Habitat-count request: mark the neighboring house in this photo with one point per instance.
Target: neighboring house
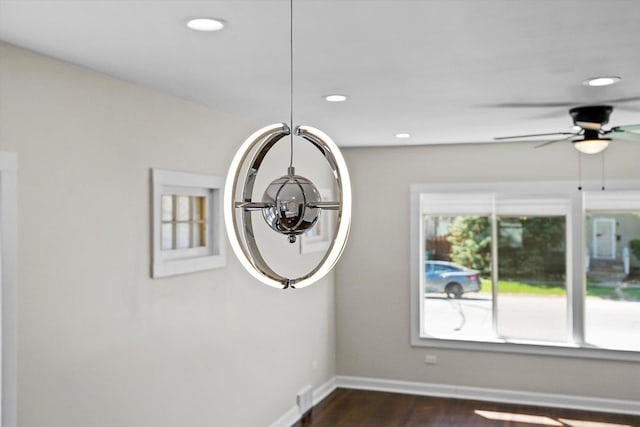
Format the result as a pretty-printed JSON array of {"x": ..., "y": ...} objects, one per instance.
[{"x": 609, "y": 233}]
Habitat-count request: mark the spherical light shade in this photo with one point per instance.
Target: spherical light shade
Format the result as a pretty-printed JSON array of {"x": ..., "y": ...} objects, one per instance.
[
  {"x": 591, "y": 146},
  {"x": 291, "y": 207}
]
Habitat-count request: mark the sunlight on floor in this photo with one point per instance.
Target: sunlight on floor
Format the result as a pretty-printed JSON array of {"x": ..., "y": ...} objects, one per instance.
[
  {"x": 520, "y": 418},
  {"x": 540, "y": 420}
]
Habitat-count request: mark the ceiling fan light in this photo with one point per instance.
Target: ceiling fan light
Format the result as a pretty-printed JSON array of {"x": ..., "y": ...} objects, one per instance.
[
  {"x": 591, "y": 146},
  {"x": 602, "y": 81}
]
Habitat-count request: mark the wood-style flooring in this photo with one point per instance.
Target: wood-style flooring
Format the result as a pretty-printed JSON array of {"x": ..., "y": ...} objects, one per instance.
[{"x": 352, "y": 408}]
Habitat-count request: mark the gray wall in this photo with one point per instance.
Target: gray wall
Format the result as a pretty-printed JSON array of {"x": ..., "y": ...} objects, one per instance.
[
  {"x": 99, "y": 342},
  {"x": 372, "y": 308}
]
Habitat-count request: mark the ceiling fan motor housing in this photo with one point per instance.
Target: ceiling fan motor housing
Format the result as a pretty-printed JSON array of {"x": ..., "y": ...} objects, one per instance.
[{"x": 591, "y": 114}]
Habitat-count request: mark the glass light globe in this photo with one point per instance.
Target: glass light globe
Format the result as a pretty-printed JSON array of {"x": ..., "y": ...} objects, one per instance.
[{"x": 289, "y": 212}]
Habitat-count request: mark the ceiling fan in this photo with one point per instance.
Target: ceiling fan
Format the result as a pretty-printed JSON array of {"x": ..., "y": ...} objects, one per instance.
[{"x": 592, "y": 137}]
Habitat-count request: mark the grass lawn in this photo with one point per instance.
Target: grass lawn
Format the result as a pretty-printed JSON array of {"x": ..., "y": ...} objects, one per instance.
[{"x": 551, "y": 288}]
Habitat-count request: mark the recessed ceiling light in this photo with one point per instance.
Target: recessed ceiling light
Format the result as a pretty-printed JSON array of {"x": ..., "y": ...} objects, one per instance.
[
  {"x": 335, "y": 98},
  {"x": 403, "y": 135},
  {"x": 205, "y": 24},
  {"x": 601, "y": 81}
]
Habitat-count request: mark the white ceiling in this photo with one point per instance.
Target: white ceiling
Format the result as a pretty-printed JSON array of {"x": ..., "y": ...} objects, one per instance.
[{"x": 443, "y": 70}]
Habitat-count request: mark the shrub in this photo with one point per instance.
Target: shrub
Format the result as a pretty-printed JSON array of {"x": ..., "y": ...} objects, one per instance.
[{"x": 634, "y": 245}]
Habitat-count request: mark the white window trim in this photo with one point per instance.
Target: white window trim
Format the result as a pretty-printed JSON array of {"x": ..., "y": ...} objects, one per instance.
[
  {"x": 575, "y": 263},
  {"x": 181, "y": 261}
]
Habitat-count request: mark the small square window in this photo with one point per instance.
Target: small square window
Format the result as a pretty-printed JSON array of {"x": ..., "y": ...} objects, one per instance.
[{"x": 187, "y": 222}]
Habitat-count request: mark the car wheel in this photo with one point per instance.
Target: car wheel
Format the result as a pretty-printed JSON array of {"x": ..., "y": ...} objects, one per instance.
[{"x": 453, "y": 289}]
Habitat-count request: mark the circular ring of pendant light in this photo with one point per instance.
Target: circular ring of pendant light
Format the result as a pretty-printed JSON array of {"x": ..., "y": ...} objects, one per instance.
[{"x": 239, "y": 225}]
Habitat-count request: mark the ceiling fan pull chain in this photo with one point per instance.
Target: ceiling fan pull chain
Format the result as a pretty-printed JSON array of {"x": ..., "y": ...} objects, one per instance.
[
  {"x": 579, "y": 171},
  {"x": 602, "y": 169}
]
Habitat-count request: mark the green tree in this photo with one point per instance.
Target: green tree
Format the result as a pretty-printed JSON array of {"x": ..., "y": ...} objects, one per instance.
[
  {"x": 470, "y": 238},
  {"x": 541, "y": 254},
  {"x": 634, "y": 245}
]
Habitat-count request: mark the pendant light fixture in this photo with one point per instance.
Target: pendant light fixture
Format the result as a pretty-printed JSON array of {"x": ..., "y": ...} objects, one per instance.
[{"x": 290, "y": 205}]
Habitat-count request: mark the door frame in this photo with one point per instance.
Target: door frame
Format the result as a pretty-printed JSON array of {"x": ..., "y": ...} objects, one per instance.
[{"x": 8, "y": 287}]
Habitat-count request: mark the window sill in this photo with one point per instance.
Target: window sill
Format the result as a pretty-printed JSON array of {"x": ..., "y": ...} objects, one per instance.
[{"x": 529, "y": 348}]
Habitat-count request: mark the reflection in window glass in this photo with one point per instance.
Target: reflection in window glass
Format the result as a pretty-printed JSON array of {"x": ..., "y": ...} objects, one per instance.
[
  {"x": 612, "y": 302},
  {"x": 167, "y": 236},
  {"x": 183, "y": 210},
  {"x": 456, "y": 276},
  {"x": 182, "y": 236},
  {"x": 167, "y": 208},
  {"x": 531, "y": 276},
  {"x": 183, "y": 222}
]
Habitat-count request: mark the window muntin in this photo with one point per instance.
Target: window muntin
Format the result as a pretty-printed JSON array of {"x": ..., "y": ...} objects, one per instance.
[{"x": 565, "y": 201}]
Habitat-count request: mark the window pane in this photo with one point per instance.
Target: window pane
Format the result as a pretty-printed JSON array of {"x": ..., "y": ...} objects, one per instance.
[
  {"x": 167, "y": 207},
  {"x": 167, "y": 237},
  {"x": 182, "y": 213},
  {"x": 199, "y": 208},
  {"x": 199, "y": 234},
  {"x": 182, "y": 236},
  {"x": 532, "y": 296},
  {"x": 455, "y": 279},
  {"x": 612, "y": 303}
]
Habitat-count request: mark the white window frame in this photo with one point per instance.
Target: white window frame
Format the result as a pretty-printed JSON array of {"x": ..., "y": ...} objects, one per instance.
[
  {"x": 618, "y": 194},
  {"x": 180, "y": 261}
]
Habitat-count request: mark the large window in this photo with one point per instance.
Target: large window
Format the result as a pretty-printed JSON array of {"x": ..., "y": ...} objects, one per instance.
[{"x": 526, "y": 268}]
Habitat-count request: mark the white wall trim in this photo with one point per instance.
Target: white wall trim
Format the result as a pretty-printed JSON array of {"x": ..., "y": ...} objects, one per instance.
[
  {"x": 551, "y": 400},
  {"x": 320, "y": 393},
  {"x": 491, "y": 395},
  {"x": 293, "y": 415}
]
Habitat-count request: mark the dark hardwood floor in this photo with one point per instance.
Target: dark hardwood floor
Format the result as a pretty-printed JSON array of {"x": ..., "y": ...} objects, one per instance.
[{"x": 351, "y": 408}]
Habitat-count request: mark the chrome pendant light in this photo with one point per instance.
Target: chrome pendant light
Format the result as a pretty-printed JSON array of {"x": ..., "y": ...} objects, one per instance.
[{"x": 291, "y": 204}]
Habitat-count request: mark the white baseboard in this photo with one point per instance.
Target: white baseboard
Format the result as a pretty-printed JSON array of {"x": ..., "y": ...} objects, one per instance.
[
  {"x": 616, "y": 406},
  {"x": 491, "y": 395},
  {"x": 293, "y": 415}
]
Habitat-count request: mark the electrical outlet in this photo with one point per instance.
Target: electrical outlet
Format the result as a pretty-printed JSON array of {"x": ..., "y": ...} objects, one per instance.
[
  {"x": 305, "y": 399},
  {"x": 430, "y": 359}
]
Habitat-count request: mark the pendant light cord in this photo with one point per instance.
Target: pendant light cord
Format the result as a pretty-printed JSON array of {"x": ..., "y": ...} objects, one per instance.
[{"x": 291, "y": 79}]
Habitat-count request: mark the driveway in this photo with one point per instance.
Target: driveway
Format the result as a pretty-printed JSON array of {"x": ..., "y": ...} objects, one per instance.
[{"x": 609, "y": 323}]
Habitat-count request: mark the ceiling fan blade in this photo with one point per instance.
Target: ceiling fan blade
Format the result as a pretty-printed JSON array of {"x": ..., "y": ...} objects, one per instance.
[
  {"x": 544, "y": 144},
  {"x": 533, "y": 104},
  {"x": 533, "y": 135},
  {"x": 626, "y": 128},
  {"x": 625, "y": 132},
  {"x": 554, "y": 104},
  {"x": 621, "y": 100}
]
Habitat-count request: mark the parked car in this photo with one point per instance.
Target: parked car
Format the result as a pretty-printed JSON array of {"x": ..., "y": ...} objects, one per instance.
[{"x": 452, "y": 279}]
